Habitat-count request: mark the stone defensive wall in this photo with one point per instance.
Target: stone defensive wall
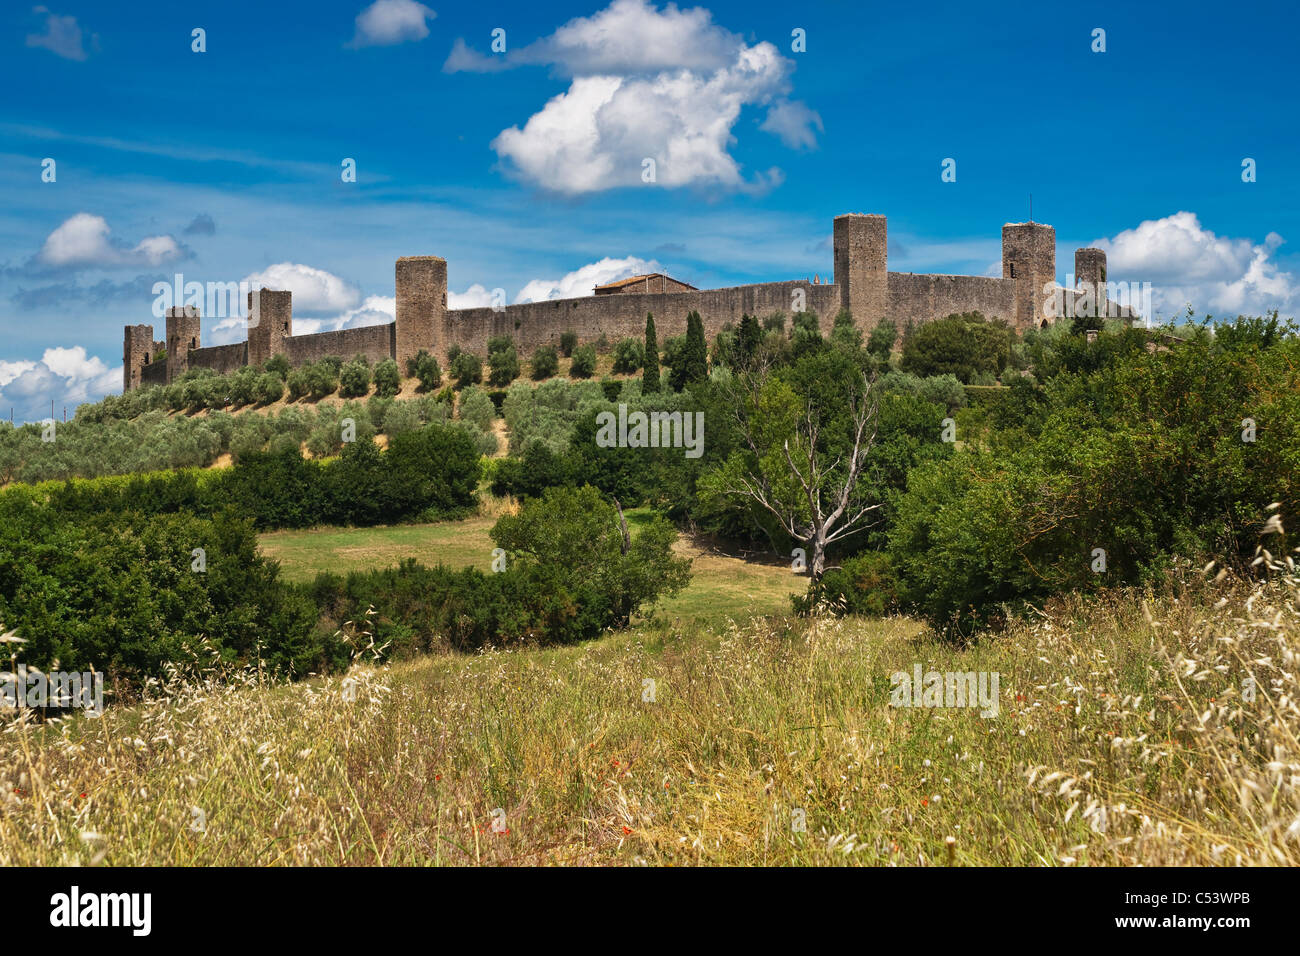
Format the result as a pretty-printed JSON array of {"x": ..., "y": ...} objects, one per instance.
[
  {"x": 154, "y": 374},
  {"x": 862, "y": 284},
  {"x": 375, "y": 342},
  {"x": 915, "y": 297},
  {"x": 623, "y": 315},
  {"x": 222, "y": 359}
]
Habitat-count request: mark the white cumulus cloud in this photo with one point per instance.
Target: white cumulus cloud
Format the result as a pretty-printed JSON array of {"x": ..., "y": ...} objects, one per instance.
[
  {"x": 11, "y": 370},
  {"x": 1189, "y": 264},
  {"x": 68, "y": 376},
  {"x": 314, "y": 290},
  {"x": 584, "y": 280},
  {"x": 475, "y": 297},
  {"x": 374, "y": 310},
  {"x": 632, "y": 36},
  {"x": 389, "y": 22},
  {"x": 83, "y": 241},
  {"x": 646, "y": 83}
]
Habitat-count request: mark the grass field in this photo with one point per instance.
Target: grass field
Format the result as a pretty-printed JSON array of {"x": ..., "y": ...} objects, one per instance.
[
  {"x": 1123, "y": 736},
  {"x": 766, "y": 743},
  {"x": 721, "y": 586}
]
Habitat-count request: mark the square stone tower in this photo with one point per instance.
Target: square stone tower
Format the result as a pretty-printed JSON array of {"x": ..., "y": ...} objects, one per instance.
[
  {"x": 1029, "y": 258},
  {"x": 421, "y": 309},
  {"x": 1090, "y": 272},
  {"x": 861, "y": 267},
  {"x": 270, "y": 322},
  {"x": 183, "y": 324},
  {"x": 137, "y": 352}
]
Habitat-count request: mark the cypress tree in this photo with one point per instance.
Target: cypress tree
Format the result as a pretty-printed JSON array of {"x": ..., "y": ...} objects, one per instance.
[
  {"x": 650, "y": 376},
  {"x": 696, "y": 357}
]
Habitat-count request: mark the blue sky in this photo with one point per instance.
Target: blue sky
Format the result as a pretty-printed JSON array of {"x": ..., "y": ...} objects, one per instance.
[{"x": 524, "y": 168}]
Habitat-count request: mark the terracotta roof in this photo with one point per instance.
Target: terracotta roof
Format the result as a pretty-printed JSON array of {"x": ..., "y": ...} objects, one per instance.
[{"x": 618, "y": 284}]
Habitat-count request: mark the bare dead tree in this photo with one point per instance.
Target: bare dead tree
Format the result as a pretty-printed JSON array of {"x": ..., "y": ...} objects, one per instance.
[{"x": 828, "y": 504}]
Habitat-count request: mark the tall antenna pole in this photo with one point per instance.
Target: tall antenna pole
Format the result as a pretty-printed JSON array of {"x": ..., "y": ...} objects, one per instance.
[{"x": 1031, "y": 207}]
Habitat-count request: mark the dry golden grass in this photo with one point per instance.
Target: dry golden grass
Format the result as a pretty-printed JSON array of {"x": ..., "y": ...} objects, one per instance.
[{"x": 1123, "y": 738}]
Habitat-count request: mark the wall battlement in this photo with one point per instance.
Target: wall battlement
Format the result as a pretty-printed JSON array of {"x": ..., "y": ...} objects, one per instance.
[{"x": 862, "y": 285}]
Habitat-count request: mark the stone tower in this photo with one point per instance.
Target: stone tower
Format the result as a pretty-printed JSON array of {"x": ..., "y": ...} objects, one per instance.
[
  {"x": 861, "y": 267},
  {"x": 269, "y": 324},
  {"x": 1090, "y": 274},
  {"x": 1029, "y": 257},
  {"x": 183, "y": 323},
  {"x": 421, "y": 308},
  {"x": 137, "y": 352}
]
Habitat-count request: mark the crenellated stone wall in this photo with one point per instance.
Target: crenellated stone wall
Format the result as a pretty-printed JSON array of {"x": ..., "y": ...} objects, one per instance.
[
  {"x": 916, "y": 297},
  {"x": 862, "y": 284},
  {"x": 222, "y": 359},
  {"x": 375, "y": 342},
  {"x": 621, "y": 316}
]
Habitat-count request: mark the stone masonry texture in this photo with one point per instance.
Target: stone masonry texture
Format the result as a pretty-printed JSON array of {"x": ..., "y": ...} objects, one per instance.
[{"x": 863, "y": 285}]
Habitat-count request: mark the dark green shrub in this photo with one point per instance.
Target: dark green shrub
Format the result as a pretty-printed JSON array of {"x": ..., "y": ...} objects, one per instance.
[
  {"x": 432, "y": 471},
  {"x": 544, "y": 363},
  {"x": 354, "y": 378},
  {"x": 322, "y": 380},
  {"x": 844, "y": 332},
  {"x": 528, "y": 476},
  {"x": 467, "y": 369},
  {"x": 568, "y": 546},
  {"x": 378, "y": 407},
  {"x": 805, "y": 334},
  {"x": 278, "y": 365},
  {"x": 503, "y": 366},
  {"x": 568, "y": 342},
  {"x": 629, "y": 356},
  {"x": 273, "y": 489},
  {"x": 129, "y": 600},
  {"x": 270, "y": 388},
  {"x": 882, "y": 339},
  {"x": 388, "y": 380},
  {"x": 299, "y": 382},
  {"x": 584, "y": 362},
  {"x": 425, "y": 368},
  {"x": 863, "y": 584},
  {"x": 241, "y": 386},
  {"x": 961, "y": 345}
]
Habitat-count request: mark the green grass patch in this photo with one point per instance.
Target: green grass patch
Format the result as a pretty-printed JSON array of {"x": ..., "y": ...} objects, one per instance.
[{"x": 721, "y": 586}]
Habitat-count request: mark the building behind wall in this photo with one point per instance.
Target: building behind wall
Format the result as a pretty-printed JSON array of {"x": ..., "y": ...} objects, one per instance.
[{"x": 863, "y": 284}]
